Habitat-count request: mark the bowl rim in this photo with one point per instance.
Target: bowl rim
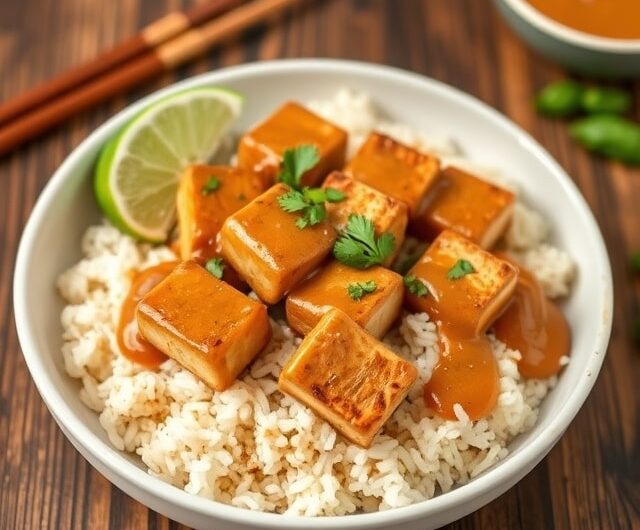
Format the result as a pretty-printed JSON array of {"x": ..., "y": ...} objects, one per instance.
[
  {"x": 570, "y": 35},
  {"x": 109, "y": 457}
]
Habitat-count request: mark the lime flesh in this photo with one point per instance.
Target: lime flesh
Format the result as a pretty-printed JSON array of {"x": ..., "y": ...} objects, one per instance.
[{"x": 138, "y": 170}]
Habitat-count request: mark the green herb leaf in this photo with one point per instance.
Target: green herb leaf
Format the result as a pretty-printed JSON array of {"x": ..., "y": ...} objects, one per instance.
[
  {"x": 314, "y": 195},
  {"x": 309, "y": 201},
  {"x": 461, "y": 268},
  {"x": 296, "y": 162},
  {"x": 216, "y": 267},
  {"x": 311, "y": 216},
  {"x": 358, "y": 289},
  {"x": 358, "y": 246},
  {"x": 212, "y": 185},
  {"x": 334, "y": 195},
  {"x": 415, "y": 286},
  {"x": 293, "y": 201}
]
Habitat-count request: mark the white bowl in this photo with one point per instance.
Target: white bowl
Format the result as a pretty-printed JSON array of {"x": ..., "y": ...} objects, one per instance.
[
  {"x": 51, "y": 243},
  {"x": 577, "y": 50}
]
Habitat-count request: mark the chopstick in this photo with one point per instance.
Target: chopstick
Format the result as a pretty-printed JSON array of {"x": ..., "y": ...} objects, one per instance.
[
  {"x": 166, "y": 56},
  {"x": 150, "y": 37}
]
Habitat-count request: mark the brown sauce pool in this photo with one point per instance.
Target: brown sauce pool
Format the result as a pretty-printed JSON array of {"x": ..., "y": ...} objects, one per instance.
[
  {"x": 132, "y": 345},
  {"x": 535, "y": 326},
  {"x": 467, "y": 373},
  {"x": 616, "y": 19}
]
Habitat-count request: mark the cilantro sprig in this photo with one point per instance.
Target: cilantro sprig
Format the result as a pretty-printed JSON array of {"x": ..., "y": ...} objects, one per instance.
[
  {"x": 309, "y": 202},
  {"x": 460, "y": 269},
  {"x": 211, "y": 185},
  {"x": 296, "y": 162},
  {"x": 415, "y": 286},
  {"x": 359, "y": 289},
  {"x": 358, "y": 245},
  {"x": 216, "y": 267}
]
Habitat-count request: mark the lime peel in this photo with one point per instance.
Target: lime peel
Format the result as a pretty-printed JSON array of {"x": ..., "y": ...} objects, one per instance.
[{"x": 138, "y": 170}]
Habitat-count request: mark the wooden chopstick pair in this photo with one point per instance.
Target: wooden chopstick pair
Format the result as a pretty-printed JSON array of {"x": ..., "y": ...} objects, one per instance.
[{"x": 161, "y": 46}]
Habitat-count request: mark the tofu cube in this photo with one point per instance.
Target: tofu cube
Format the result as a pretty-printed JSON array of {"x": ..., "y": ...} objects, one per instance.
[
  {"x": 475, "y": 208},
  {"x": 204, "y": 324},
  {"x": 261, "y": 149},
  {"x": 471, "y": 302},
  {"x": 328, "y": 288},
  {"x": 347, "y": 377},
  {"x": 262, "y": 242},
  {"x": 201, "y": 211},
  {"x": 397, "y": 170},
  {"x": 386, "y": 213}
]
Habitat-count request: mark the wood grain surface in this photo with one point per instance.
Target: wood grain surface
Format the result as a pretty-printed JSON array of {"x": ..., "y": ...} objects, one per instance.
[{"x": 590, "y": 480}]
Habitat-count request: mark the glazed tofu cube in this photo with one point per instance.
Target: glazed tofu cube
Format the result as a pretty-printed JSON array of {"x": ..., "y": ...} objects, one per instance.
[
  {"x": 347, "y": 377},
  {"x": 397, "y": 170},
  {"x": 329, "y": 287},
  {"x": 388, "y": 214},
  {"x": 204, "y": 324},
  {"x": 263, "y": 243},
  {"x": 475, "y": 208},
  {"x": 261, "y": 149},
  {"x": 207, "y": 195},
  {"x": 472, "y": 301}
]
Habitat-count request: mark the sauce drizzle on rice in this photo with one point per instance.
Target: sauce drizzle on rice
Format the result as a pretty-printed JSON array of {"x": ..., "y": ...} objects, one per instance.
[
  {"x": 132, "y": 345},
  {"x": 535, "y": 327}
]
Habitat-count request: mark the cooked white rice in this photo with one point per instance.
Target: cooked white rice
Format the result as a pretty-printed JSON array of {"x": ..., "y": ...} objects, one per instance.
[{"x": 252, "y": 446}]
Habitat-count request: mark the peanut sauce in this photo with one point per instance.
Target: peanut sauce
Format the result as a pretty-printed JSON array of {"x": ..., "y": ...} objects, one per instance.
[
  {"x": 467, "y": 374},
  {"x": 534, "y": 325},
  {"x": 462, "y": 309},
  {"x": 616, "y": 19},
  {"x": 132, "y": 345}
]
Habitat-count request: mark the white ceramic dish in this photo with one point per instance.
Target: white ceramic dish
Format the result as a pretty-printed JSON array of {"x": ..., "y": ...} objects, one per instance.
[
  {"x": 579, "y": 51},
  {"x": 51, "y": 243}
]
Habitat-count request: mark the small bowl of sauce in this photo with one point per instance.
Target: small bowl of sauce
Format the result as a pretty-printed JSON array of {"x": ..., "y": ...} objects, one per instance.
[{"x": 595, "y": 37}]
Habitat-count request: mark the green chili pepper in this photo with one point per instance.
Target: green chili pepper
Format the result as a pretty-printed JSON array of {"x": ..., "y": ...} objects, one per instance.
[
  {"x": 560, "y": 99},
  {"x": 609, "y": 135},
  {"x": 605, "y": 100},
  {"x": 635, "y": 261}
]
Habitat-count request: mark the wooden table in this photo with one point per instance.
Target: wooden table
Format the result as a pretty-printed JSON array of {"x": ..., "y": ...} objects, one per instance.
[{"x": 591, "y": 480}]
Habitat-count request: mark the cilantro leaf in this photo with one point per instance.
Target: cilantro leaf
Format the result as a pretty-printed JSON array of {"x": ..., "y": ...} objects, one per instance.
[
  {"x": 296, "y": 162},
  {"x": 293, "y": 201},
  {"x": 309, "y": 201},
  {"x": 358, "y": 246},
  {"x": 212, "y": 185},
  {"x": 216, "y": 267},
  {"x": 334, "y": 195},
  {"x": 415, "y": 286},
  {"x": 312, "y": 215},
  {"x": 461, "y": 268},
  {"x": 358, "y": 289},
  {"x": 314, "y": 195}
]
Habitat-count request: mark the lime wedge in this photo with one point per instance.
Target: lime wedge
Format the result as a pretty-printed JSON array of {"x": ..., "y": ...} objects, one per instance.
[{"x": 138, "y": 170}]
